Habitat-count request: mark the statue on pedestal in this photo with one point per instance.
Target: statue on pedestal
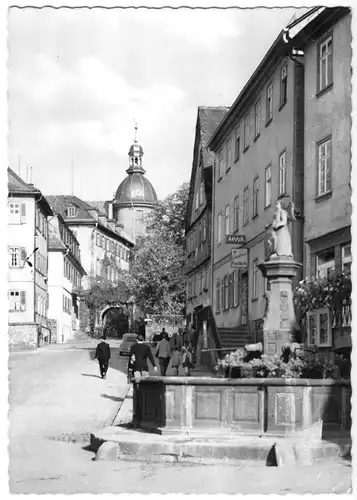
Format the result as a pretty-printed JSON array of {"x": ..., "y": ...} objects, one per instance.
[{"x": 280, "y": 236}]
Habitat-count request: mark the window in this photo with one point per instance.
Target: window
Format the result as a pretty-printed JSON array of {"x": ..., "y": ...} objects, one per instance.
[
  {"x": 257, "y": 119},
  {"x": 246, "y": 206},
  {"x": 324, "y": 167},
  {"x": 237, "y": 146},
  {"x": 222, "y": 294},
  {"x": 346, "y": 258},
  {"x": 246, "y": 131},
  {"x": 282, "y": 173},
  {"x": 220, "y": 164},
  {"x": 17, "y": 256},
  {"x": 218, "y": 295},
  {"x": 229, "y": 153},
  {"x": 269, "y": 103},
  {"x": 204, "y": 229},
  {"x": 71, "y": 211},
  {"x": 139, "y": 214},
  {"x": 15, "y": 213},
  {"x": 201, "y": 193},
  {"x": 268, "y": 186},
  {"x": 235, "y": 289},
  {"x": 255, "y": 196},
  {"x": 283, "y": 85},
  {"x": 98, "y": 239},
  {"x": 17, "y": 300},
  {"x": 255, "y": 279},
  {"x": 227, "y": 219},
  {"x": 236, "y": 214},
  {"x": 325, "y": 64},
  {"x": 219, "y": 229},
  {"x": 325, "y": 263},
  {"x": 197, "y": 199},
  {"x": 319, "y": 328},
  {"x": 226, "y": 292}
]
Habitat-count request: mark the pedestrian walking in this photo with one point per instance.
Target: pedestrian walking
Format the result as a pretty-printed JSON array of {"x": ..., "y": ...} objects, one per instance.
[
  {"x": 102, "y": 354},
  {"x": 163, "y": 352},
  {"x": 187, "y": 358},
  {"x": 176, "y": 359},
  {"x": 138, "y": 356}
]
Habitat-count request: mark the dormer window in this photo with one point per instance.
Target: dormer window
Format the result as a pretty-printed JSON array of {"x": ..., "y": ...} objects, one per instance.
[{"x": 71, "y": 211}]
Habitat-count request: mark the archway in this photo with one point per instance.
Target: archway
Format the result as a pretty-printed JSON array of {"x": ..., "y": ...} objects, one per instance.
[{"x": 115, "y": 320}]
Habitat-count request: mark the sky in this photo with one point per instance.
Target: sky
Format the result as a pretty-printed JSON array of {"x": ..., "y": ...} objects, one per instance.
[{"x": 78, "y": 79}]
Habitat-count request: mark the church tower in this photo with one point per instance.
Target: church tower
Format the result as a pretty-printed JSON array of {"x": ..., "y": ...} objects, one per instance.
[{"x": 135, "y": 196}]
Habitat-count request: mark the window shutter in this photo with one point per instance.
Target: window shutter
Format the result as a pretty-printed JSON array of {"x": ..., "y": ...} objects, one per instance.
[
  {"x": 230, "y": 290},
  {"x": 23, "y": 300},
  {"x": 23, "y": 254},
  {"x": 23, "y": 212}
]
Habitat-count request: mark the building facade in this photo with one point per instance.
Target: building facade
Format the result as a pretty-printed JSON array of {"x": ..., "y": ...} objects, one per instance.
[
  {"x": 327, "y": 46},
  {"x": 135, "y": 196},
  {"x": 28, "y": 213},
  {"x": 259, "y": 160},
  {"x": 65, "y": 274},
  {"x": 105, "y": 249},
  {"x": 198, "y": 221}
]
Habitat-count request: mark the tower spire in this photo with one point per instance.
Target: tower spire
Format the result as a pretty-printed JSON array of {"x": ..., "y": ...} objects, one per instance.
[{"x": 136, "y": 131}]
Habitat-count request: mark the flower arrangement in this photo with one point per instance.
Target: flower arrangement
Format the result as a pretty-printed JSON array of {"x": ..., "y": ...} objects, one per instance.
[{"x": 310, "y": 366}]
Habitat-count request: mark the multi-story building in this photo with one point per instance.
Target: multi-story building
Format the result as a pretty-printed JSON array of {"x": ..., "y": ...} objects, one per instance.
[
  {"x": 259, "y": 159},
  {"x": 198, "y": 220},
  {"x": 65, "y": 274},
  {"x": 105, "y": 249},
  {"x": 326, "y": 43},
  {"x": 28, "y": 213}
]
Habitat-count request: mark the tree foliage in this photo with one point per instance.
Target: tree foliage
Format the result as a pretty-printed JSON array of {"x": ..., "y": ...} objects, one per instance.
[{"x": 156, "y": 280}]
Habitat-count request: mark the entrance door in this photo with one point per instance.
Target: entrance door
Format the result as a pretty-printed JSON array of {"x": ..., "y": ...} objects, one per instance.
[{"x": 244, "y": 301}]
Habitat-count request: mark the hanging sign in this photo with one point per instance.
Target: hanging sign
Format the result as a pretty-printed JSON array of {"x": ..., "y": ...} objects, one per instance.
[
  {"x": 239, "y": 258},
  {"x": 235, "y": 239}
]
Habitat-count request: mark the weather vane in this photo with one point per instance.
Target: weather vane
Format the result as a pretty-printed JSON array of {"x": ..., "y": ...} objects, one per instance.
[{"x": 136, "y": 130}]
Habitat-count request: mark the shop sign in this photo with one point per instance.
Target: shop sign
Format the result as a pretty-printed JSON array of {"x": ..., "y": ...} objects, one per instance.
[
  {"x": 239, "y": 258},
  {"x": 235, "y": 239}
]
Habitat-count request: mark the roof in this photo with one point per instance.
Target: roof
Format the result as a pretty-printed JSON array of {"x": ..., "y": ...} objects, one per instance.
[
  {"x": 101, "y": 206},
  {"x": 17, "y": 186},
  {"x": 60, "y": 204},
  {"x": 208, "y": 119},
  {"x": 136, "y": 189}
]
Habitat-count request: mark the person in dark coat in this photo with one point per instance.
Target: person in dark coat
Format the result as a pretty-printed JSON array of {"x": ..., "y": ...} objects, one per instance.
[
  {"x": 163, "y": 352},
  {"x": 138, "y": 356},
  {"x": 102, "y": 354}
]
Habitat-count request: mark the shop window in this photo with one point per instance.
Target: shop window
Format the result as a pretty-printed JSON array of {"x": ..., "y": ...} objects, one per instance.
[
  {"x": 325, "y": 263},
  {"x": 319, "y": 328}
]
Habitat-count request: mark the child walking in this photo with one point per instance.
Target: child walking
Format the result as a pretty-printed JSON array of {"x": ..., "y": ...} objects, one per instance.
[
  {"x": 187, "y": 358},
  {"x": 176, "y": 360}
]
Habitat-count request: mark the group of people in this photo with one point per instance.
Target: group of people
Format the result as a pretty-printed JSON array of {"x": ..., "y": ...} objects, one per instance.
[{"x": 176, "y": 350}]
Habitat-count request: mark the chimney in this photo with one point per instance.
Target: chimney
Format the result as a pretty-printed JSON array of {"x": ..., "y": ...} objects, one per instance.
[{"x": 110, "y": 211}]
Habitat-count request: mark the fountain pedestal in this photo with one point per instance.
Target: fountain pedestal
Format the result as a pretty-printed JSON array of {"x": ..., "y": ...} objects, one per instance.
[{"x": 279, "y": 322}]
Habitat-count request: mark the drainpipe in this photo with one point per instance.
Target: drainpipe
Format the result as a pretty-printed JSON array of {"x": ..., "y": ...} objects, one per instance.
[{"x": 288, "y": 40}]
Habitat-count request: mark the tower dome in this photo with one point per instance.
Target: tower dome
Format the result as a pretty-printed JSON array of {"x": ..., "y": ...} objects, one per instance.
[{"x": 135, "y": 194}]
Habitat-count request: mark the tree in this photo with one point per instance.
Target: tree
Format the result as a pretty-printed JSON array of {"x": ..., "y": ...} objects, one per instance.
[{"x": 156, "y": 279}]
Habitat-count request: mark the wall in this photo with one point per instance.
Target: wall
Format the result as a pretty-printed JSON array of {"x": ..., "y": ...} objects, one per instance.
[
  {"x": 329, "y": 114},
  {"x": 284, "y": 132},
  {"x": 22, "y": 336},
  {"x": 22, "y": 235},
  {"x": 126, "y": 216}
]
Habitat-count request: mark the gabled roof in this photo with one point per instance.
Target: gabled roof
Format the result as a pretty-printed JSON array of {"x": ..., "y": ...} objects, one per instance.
[
  {"x": 17, "y": 185},
  {"x": 208, "y": 119},
  {"x": 60, "y": 203},
  {"x": 101, "y": 206}
]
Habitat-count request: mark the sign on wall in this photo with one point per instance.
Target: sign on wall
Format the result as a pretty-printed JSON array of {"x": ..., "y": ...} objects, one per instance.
[
  {"x": 239, "y": 258},
  {"x": 235, "y": 239}
]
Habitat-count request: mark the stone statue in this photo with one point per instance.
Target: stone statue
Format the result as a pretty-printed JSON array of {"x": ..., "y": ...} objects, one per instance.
[
  {"x": 267, "y": 296},
  {"x": 281, "y": 241}
]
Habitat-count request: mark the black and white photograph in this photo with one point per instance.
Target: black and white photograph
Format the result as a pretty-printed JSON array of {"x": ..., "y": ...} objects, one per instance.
[{"x": 179, "y": 248}]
